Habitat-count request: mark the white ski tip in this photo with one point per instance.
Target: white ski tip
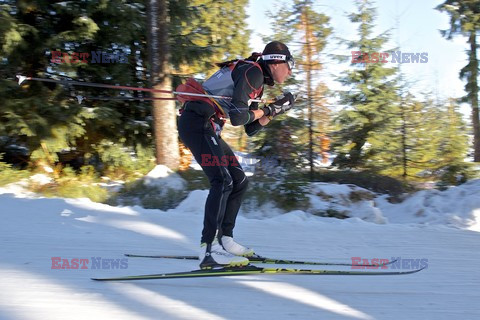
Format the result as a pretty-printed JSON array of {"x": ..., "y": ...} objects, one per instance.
[{"x": 21, "y": 79}]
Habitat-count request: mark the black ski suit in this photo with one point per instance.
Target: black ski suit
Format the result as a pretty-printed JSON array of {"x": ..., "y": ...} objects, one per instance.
[{"x": 199, "y": 128}]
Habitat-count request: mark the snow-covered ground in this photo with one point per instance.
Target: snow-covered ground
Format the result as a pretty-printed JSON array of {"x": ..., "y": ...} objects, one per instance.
[{"x": 441, "y": 228}]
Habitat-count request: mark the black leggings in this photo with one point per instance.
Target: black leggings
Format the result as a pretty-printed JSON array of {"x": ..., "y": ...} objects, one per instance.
[{"x": 228, "y": 182}]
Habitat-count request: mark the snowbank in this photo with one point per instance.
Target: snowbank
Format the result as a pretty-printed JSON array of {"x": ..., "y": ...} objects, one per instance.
[
  {"x": 455, "y": 207},
  {"x": 162, "y": 177},
  {"x": 344, "y": 200}
]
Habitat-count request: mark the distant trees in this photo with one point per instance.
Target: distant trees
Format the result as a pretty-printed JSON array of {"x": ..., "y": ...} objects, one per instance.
[
  {"x": 47, "y": 120},
  {"x": 370, "y": 98},
  {"x": 465, "y": 20},
  {"x": 379, "y": 128},
  {"x": 383, "y": 130}
]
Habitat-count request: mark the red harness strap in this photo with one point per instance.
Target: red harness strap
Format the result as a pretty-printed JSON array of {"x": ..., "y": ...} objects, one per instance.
[{"x": 192, "y": 86}]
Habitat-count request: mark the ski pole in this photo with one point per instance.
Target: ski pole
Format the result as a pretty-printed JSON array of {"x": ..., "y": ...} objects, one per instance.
[
  {"x": 80, "y": 98},
  {"x": 22, "y": 79}
]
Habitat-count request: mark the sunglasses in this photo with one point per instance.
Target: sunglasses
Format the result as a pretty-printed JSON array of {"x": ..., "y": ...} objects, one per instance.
[
  {"x": 290, "y": 63},
  {"x": 280, "y": 58}
]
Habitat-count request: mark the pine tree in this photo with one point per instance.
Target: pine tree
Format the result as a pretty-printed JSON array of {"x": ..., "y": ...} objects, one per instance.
[
  {"x": 47, "y": 119},
  {"x": 204, "y": 32},
  {"x": 370, "y": 99},
  {"x": 313, "y": 30},
  {"x": 453, "y": 146},
  {"x": 164, "y": 112},
  {"x": 427, "y": 140},
  {"x": 465, "y": 20},
  {"x": 323, "y": 119},
  {"x": 454, "y": 140},
  {"x": 408, "y": 146},
  {"x": 302, "y": 27}
]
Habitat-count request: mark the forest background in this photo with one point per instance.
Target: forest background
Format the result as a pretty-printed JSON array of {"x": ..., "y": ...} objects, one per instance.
[{"x": 361, "y": 122}]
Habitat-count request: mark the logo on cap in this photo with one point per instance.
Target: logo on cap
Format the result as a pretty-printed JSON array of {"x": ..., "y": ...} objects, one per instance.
[{"x": 274, "y": 57}]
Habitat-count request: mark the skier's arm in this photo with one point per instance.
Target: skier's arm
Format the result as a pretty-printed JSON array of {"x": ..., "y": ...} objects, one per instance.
[
  {"x": 248, "y": 83},
  {"x": 257, "y": 125},
  {"x": 280, "y": 106}
]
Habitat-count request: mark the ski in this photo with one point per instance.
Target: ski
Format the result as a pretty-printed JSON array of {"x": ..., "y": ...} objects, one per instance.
[
  {"x": 253, "y": 270},
  {"x": 260, "y": 259}
]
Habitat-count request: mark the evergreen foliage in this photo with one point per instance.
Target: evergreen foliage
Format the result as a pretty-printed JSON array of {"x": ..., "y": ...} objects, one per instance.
[
  {"x": 465, "y": 21},
  {"x": 370, "y": 99},
  {"x": 379, "y": 132},
  {"x": 48, "y": 120}
]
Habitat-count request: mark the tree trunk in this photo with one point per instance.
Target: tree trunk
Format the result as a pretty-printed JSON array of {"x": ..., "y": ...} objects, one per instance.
[
  {"x": 164, "y": 111},
  {"x": 308, "y": 80},
  {"x": 404, "y": 139},
  {"x": 473, "y": 81}
]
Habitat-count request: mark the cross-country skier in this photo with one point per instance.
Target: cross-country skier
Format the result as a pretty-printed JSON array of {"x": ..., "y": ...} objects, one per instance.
[{"x": 200, "y": 126}]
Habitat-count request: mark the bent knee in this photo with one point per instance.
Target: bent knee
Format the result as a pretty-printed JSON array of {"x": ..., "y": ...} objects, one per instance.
[{"x": 225, "y": 182}]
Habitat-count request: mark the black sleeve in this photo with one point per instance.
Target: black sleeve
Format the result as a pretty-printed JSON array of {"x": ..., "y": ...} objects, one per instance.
[
  {"x": 254, "y": 106},
  {"x": 253, "y": 128},
  {"x": 248, "y": 83}
]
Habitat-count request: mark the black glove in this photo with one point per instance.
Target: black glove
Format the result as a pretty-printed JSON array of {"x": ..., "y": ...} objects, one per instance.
[
  {"x": 282, "y": 104},
  {"x": 269, "y": 110}
]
